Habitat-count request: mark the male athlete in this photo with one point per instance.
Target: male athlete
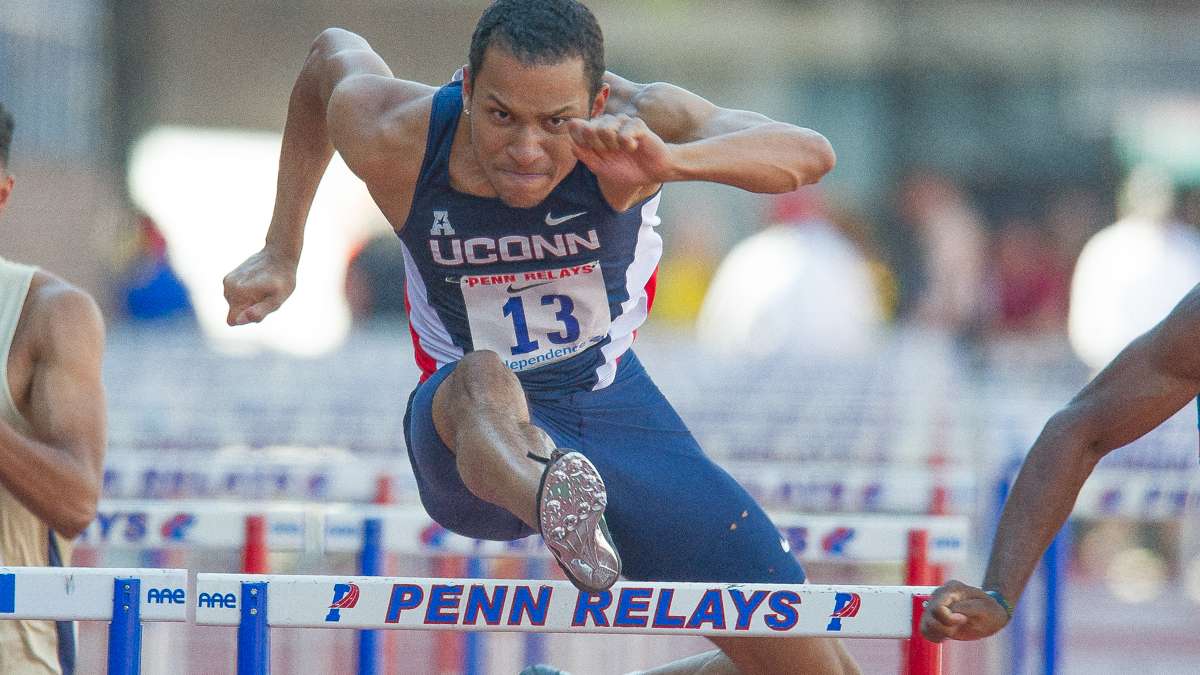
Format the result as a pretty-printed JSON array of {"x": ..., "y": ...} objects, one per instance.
[
  {"x": 1148, "y": 382},
  {"x": 52, "y": 435},
  {"x": 525, "y": 194}
]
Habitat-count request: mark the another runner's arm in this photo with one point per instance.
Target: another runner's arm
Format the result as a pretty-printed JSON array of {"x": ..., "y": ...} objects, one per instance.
[
  {"x": 345, "y": 99},
  {"x": 57, "y": 473},
  {"x": 741, "y": 148},
  {"x": 1149, "y": 381}
]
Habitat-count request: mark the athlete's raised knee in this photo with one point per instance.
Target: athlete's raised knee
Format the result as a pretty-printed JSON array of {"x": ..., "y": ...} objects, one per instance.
[
  {"x": 482, "y": 376},
  {"x": 480, "y": 383}
]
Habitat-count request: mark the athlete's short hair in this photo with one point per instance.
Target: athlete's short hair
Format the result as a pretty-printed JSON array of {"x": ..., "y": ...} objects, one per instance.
[
  {"x": 541, "y": 32},
  {"x": 6, "y": 132}
]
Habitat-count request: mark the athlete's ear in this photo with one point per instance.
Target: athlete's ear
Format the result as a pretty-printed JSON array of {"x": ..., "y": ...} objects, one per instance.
[
  {"x": 468, "y": 86},
  {"x": 600, "y": 101}
]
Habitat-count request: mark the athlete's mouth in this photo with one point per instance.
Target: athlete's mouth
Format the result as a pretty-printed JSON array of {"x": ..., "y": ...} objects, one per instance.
[{"x": 523, "y": 176}]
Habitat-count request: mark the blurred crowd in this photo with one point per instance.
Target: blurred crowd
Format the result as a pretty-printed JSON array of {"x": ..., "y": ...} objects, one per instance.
[
  {"x": 820, "y": 276},
  {"x": 823, "y": 279}
]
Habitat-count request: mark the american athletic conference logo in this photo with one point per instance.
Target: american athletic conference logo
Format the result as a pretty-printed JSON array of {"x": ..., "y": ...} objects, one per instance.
[
  {"x": 845, "y": 606},
  {"x": 345, "y": 596}
]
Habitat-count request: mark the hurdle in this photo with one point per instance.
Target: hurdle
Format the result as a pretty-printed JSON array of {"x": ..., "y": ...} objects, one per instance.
[
  {"x": 334, "y": 528},
  {"x": 256, "y": 603},
  {"x": 313, "y": 476},
  {"x": 125, "y": 597},
  {"x": 373, "y": 531}
]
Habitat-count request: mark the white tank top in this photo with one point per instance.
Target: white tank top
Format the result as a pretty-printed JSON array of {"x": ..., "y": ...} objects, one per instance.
[{"x": 26, "y": 647}]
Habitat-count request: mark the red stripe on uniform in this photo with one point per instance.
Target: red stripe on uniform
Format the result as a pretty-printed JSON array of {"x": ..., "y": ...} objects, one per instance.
[
  {"x": 424, "y": 361},
  {"x": 651, "y": 286}
]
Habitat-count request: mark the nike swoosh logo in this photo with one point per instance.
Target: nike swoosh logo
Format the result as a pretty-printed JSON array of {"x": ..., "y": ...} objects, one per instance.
[
  {"x": 514, "y": 289},
  {"x": 552, "y": 221}
]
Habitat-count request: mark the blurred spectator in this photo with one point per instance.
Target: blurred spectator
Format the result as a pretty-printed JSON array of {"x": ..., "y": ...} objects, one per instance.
[
  {"x": 1132, "y": 273},
  {"x": 375, "y": 281},
  {"x": 1189, "y": 206},
  {"x": 1032, "y": 279},
  {"x": 799, "y": 286},
  {"x": 149, "y": 288},
  {"x": 1072, "y": 217},
  {"x": 948, "y": 287},
  {"x": 861, "y": 233},
  {"x": 689, "y": 258}
]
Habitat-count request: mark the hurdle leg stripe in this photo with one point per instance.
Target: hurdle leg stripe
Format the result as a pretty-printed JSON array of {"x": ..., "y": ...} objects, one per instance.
[
  {"x": 125, "y": 629},
  {"x": 923, "y": 656},
  {"x": 253, "y": 635}
]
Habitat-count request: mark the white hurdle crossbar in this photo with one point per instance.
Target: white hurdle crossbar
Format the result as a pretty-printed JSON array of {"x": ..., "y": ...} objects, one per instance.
[
  {"x": 124, "y": 597},
  {"x": 409, "y": 530},
  {"x": 254, "y": 603}
]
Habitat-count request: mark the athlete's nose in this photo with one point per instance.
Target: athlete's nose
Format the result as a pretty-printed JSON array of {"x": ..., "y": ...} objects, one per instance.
[{"x": 525, "y": 149}]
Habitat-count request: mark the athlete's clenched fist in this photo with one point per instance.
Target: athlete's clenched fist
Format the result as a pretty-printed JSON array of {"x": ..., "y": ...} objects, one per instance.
[
  {"x": 622, "y": 148},
  {"x": 258, "y": 287}
]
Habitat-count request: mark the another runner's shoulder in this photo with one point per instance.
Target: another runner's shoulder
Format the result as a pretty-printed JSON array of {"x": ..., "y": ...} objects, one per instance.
[
  {"x": 58, "y": 319},
  {"x": 58, "y": 306},
  {"x": 379, "y": 125}
]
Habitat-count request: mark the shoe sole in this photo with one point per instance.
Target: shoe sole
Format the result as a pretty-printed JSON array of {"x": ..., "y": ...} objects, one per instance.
[{"x": 571, "y": 503}]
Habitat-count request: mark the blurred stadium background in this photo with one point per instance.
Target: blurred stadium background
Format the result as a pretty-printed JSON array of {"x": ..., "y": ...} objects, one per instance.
[{"x": 981, "y": 146}]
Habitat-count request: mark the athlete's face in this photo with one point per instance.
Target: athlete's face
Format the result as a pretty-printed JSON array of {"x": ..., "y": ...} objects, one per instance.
[{"x": 518, "y": 122}]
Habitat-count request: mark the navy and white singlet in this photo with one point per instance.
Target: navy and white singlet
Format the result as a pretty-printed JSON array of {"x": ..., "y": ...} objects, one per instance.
[{"x": 558, "y": 291}]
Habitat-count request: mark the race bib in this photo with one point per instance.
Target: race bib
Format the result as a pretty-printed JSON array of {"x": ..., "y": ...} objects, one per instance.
[{"x": 537, "y": 317}]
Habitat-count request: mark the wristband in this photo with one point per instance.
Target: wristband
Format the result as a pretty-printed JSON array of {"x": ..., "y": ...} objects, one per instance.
[{"x": 995, "y": 595}]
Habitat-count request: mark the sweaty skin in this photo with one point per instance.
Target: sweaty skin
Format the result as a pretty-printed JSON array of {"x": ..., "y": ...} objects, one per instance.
[{"x": 1148, "y": 382}]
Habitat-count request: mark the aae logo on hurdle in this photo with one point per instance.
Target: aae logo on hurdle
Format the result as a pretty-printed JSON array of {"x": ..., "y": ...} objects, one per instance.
[
  {"x": 222, "y": 600},
  {"x": 170, "y": 596},
  {"x": 556, "y": 606}
]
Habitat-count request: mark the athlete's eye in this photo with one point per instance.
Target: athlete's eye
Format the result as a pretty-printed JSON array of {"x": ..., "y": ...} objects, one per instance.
[
  {"x": 499, "y": 115},
  {"x": 557, "y": 125}
]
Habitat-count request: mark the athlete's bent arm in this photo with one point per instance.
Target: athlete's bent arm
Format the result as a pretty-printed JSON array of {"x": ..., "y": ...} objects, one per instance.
[
  {"x": 735, "y": 147},
  {"x": 57, "y": 474},
  {"x": 341, "y": 100},
  {"x": 1150, "y": 380}
]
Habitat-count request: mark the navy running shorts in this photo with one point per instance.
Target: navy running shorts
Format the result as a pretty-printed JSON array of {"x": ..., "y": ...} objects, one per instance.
[{"x": 673, "y": 513}]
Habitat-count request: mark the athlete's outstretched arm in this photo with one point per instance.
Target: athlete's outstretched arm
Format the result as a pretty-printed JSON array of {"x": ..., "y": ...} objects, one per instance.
[
  {"x": 344, "y": 99},
  {"x": 1150, "y": 380},
  {"x": 57, "y": 472},
  {"x": 734, "y": 147}
]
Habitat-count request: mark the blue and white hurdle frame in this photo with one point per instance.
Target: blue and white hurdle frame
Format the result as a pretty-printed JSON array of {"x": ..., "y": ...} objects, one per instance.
[
  {"x": 255, "y": 603},
  {"x": 374, "y": 531},
  {"x": 124, "y": 597},
  {"x": 407, "y": 529}
]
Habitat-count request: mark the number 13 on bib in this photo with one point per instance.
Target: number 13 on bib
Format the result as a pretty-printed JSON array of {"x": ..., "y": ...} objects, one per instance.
[{"x": 537, "y": 317}]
